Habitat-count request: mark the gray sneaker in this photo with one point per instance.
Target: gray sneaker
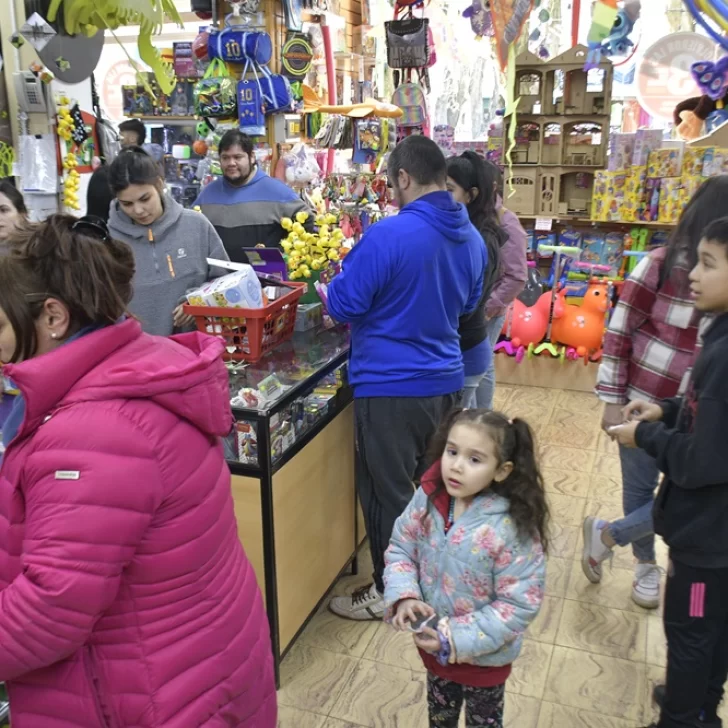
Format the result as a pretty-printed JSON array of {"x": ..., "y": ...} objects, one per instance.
[
  {"x": 594, "y": 551},
  {"x": 364, "y": 604}
]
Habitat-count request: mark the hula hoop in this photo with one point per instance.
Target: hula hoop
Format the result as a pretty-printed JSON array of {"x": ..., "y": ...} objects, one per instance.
[{"x": 697, "y": 16}]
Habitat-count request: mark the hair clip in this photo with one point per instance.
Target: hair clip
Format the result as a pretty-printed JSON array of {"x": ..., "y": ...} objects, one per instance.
[{"x": 92, "y": 224}]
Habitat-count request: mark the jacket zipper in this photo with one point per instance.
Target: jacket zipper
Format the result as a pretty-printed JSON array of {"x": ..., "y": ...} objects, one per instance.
[
  {"x": 95, "y": 685},
  {"x": 150, "y": 236}
]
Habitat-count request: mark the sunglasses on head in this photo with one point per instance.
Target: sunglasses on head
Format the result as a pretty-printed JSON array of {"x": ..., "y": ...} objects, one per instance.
[{"x": 93, "y": 226}]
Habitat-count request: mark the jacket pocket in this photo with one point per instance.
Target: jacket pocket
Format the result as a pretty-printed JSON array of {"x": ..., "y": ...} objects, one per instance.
[{"x": 93, "y": 675}]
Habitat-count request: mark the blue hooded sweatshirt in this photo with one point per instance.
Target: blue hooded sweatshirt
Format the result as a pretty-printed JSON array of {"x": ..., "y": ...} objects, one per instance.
[{"x": 403, "y": 288}]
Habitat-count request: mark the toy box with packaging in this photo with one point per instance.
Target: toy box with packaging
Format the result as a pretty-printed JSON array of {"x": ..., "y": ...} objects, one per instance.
[{"x": 240, "y": 289}]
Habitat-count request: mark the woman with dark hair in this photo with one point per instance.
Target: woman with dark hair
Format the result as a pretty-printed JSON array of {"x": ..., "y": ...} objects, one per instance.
[
  {"x": 466, "y": 181},
  {"x": 12, "y": 212},
  {"x": 511, "y": 281},
  {"x": 171, "y": 244},
  {"x": 126, "y": 598},
  {"x": 649, "y": 348},
  {"x": 99, "y": 195}
]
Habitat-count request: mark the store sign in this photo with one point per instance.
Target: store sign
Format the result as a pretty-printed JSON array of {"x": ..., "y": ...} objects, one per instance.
[{"x": 663, "y": 77}]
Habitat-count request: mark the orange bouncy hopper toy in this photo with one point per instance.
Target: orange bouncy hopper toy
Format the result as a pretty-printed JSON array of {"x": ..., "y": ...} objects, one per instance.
[{"x": 582, "y": 327}]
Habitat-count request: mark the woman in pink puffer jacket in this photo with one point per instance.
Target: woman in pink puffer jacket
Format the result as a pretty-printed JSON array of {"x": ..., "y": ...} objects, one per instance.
[{"x": 126, "y": 598}]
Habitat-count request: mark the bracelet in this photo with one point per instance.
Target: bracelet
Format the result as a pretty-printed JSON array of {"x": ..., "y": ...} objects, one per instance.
[{"x": 444, "y": 654}]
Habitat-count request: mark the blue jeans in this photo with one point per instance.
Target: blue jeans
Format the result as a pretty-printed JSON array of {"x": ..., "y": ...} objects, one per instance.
[
  {"x": 486, "y": 388},
  {"x": 640, "y": 477},
  {"x": 470, "y": 391}
]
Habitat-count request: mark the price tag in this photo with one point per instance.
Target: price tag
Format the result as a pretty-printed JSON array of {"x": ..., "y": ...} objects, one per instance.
[{"x": 544, "y": 223}]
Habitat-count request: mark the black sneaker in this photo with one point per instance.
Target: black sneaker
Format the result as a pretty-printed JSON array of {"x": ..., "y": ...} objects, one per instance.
[{"x": 658, "y": 695}]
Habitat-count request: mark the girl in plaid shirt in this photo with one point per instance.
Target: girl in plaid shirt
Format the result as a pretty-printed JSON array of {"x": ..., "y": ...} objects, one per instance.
[{"x": 649, "y": 349}]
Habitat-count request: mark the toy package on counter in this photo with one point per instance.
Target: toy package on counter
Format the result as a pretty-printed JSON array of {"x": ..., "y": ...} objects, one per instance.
[
  {"x": 247, "y": 442},
  {"x": 665, "y": 162},
  {"x": 621, "y": 150},
  {"x": 608, "y": 195},
  {"x": 612, "y": 250},
  {"x": 645, "y": 141},
  {"x": 693, "y": 161},
  {"x": 240, "y": 289},
  {"x": 308, "y": 316},
  {"x": 592, "y": 248},
  {"x": 671, "y": 199}
]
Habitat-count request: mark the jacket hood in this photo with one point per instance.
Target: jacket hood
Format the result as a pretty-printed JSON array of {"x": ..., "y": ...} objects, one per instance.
[
  {"x": 440, "y": 211},
  {"x": 121, "y": 222},
  {"x": 486, "y": 501},
  {"x": 184, "y": 374}
]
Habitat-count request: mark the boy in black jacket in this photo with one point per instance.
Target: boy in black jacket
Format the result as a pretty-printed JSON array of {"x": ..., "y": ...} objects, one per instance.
[{"x": 688, "y": 436}]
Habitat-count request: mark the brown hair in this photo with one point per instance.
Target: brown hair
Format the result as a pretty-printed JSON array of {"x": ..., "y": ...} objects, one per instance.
[
  {"x": 71, "y": 260},
  {"x": 523, "y": 488}
]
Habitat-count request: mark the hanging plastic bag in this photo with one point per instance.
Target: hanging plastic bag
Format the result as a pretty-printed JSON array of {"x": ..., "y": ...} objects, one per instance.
[{"x": 214, "y": 94}]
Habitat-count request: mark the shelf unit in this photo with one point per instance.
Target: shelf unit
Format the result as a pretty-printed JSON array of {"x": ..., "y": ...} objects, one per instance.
[{"x": 561, "y": 131}]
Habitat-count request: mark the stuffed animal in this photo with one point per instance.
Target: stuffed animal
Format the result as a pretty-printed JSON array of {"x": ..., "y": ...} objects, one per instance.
[
  {"x": 699, "y": 115},
  {"x": 582, "y": 326}
]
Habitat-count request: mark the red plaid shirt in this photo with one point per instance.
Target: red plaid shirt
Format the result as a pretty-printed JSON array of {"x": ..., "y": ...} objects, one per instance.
[{"x": 651, "y": 341}]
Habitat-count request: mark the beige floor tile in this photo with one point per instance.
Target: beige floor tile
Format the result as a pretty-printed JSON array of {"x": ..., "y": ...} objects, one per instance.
[
  {"x": 561, "y": 716},
  {"x": 381, "y": 696},
  {"x": 345, "y": 636},
  {"x": 606, "y": 444},
  {"x": 558, "y": 572},
  {"x": 502, "y": 394},
  {"x": 529, "y": 669},
  {"x": 568, "y": 435},
  {"x": 579, "y": 401},
  {"x": 334, "y": 723},
  {"x": 601, "y": 684},
  {"x": 605, "y": 464},
  {"x": 611, "y": 632},
  {"x": 655, "y": 676},
  {"x": 563, "y": 540},
  {"x": 535, "y": 415},
  {"x": 546, "y": 624},
  {"x": 614, "y": 591},
  {"x": 313, "y": 679},
  {"x": 521, "y": 711},
  {"x": 656, "y": 644},
  {"x": 566, "y": 482},
  {"x": 584, "y": 419},
  {"x": 397, "y": 649},
  {"x": 539, "y": 396},
  {"x": 605, "y": 487},
  {"x": 570, "y": 458},
  {"x": 566, "y": 510},
  {"x": 293, "y": 718}
]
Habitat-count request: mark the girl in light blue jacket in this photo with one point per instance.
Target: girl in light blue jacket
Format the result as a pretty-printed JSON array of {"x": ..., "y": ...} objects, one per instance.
[{"x": 467, "y": 558}]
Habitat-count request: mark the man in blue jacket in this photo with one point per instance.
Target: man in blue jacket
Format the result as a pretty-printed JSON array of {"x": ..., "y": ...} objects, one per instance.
[{"x": 403, "y": 289}]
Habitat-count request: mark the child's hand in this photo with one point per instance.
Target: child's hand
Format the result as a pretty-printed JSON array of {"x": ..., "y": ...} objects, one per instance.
[
  {"x": 625, "y": 434},
  {"x": 409, "y": 610},
  {"x": 428, "y": 640}
]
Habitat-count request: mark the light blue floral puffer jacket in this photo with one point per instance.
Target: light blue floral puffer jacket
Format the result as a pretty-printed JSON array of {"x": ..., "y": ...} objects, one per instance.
[{"x": 481, "y": 574}]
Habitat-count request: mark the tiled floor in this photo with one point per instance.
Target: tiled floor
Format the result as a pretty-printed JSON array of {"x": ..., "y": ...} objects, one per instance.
[{"x": 591, "y": 657}]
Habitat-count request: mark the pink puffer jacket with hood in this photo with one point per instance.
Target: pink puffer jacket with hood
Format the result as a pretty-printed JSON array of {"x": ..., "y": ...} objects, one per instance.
[{"x": 126, "y": 598}]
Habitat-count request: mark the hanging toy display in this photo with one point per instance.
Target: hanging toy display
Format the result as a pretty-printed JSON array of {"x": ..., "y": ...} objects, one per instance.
[
  {"x": 622, "y": 42},
  {"x": 478, "y": 13},
  {"x": 604, "y": 17},
  {"x": 71, "y": 183},
  {"x": 699, "y": 115}
]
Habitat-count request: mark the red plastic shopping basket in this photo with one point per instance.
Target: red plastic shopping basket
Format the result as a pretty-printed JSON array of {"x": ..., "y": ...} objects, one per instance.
[{"x": 250, "y": 333}]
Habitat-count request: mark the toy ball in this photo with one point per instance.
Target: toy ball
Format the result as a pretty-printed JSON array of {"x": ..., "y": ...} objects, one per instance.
[{"x": 200, "y": 147}]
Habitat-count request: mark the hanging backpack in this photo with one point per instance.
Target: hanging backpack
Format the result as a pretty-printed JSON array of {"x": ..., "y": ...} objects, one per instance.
[{"x": 411, "y": 99}]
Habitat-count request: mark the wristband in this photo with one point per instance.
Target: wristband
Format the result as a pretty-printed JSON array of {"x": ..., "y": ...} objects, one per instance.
[{"x": 444, "y": 655}]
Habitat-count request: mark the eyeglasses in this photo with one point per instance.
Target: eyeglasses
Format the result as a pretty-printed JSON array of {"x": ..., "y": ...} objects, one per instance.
[{"x": 93, "y": 226}]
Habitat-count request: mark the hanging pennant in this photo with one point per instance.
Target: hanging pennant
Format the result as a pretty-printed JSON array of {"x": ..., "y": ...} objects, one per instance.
[
  {"x": 37, "y": 32},
  {"x": 509, "y": 17}
]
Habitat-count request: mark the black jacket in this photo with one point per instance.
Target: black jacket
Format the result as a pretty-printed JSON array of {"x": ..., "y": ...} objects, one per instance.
[
  {"x": 473, "y": 326},
  {"x": 690, "y": 446}
]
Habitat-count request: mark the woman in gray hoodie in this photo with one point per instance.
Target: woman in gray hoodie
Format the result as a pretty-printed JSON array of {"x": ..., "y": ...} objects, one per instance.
[{"x": 171, "y": 244}]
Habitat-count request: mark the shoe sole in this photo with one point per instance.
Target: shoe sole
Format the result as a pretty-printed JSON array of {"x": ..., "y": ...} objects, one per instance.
[
  {"x": 645, "y": 602},
  {"x": 585, "y": 566}
]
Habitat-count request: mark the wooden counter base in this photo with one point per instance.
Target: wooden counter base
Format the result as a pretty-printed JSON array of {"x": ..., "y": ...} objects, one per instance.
[{"x": 546, "y": 371}]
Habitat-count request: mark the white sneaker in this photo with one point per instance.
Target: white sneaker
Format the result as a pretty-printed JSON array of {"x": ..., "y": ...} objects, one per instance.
[
  {"x": 365, "y": 603},
  {"x": 594, "y": 551},
  {"x": 646, "y": 586}
]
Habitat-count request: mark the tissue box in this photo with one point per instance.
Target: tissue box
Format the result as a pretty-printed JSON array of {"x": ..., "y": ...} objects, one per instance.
[
  {"x": 308, "y": 316},
  {"x": 240, "y": 289},
  {"x": 644, "y": 142}
]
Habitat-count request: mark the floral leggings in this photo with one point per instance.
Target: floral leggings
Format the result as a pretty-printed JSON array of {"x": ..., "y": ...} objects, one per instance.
[{"x": 483, "y": 706}]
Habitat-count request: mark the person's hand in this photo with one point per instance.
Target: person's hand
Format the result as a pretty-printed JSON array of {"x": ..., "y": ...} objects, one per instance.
[
  {"x": 181, "y": 319},
  {"x": 428, "y": 640},
  {"x": 625, "y": 434},
  {"x": 410, "y": 610},
  {"x": 612, "y": 416},
  {"x": 642, "y": 411}
]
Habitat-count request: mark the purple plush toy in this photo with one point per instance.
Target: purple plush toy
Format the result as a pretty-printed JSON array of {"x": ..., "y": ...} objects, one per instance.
[{"x": 480, "y": 20}]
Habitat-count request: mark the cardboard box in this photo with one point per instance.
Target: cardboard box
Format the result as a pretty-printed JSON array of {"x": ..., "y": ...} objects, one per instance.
[
  {"x": 645, "y": 141},
  {"x": 621, "y": 150},
  {"x": 308, "y": 316},
  {"x": 665, "y": 163},
  {"x": 240, "y": 289}
]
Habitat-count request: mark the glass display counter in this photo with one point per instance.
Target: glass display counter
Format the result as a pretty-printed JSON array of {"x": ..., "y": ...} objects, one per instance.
[{"x": 291, "y": 455}]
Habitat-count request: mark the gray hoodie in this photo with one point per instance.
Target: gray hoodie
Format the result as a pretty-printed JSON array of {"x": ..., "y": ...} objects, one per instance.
[{"x": 170, "y": 257}]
